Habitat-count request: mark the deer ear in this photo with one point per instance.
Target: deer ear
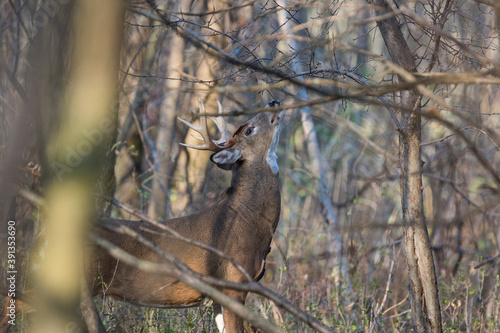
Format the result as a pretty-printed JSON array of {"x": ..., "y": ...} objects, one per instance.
[{"x": 225, "y": 158}]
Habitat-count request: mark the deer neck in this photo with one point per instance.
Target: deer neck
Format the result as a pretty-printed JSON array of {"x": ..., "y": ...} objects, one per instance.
[
  {"x": 255, "y": 191},
  {"x": 255, "y": 178}
]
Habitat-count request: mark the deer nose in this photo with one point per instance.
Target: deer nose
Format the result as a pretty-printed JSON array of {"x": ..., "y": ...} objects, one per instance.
[
  {"x": 273, "y": 103},
  {"x": 277, "y": 116}
]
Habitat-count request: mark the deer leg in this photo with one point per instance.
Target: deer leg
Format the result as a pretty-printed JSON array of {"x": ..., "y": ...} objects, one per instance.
[
  {"x": 233, "y": 323},
  {"x": 219, "y": 319}
]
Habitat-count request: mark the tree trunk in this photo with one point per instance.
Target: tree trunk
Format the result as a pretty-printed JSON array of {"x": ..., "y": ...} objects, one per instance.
[
  {"x": 421, "y": 273},
  {"x": 129, "y": 159},
  {"x": 159, "y": 207},
  {"x": 193, "y": 165}
]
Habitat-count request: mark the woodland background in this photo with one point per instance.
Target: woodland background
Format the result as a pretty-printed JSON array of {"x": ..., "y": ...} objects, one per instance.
[{"x": 338, "y": 253}]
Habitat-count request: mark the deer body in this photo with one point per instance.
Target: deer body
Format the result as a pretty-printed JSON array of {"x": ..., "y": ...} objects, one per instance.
[{"x": 241, "y": 224}]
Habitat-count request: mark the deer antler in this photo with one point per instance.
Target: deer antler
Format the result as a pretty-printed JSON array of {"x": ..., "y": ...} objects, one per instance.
[{"x": 209, "y": 144}]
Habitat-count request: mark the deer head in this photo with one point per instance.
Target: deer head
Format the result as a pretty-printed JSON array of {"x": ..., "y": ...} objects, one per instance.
[{"x": 254, "y": 142}]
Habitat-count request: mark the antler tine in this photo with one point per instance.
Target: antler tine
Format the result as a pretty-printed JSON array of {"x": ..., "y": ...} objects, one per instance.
[
  {"x": 203, "y": 130},
  {"x": 220, "y": 122}
]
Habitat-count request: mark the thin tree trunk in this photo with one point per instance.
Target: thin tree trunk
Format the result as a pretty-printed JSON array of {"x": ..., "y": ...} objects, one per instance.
[
  {"x": 159, "y": 207},
  {"x": 89, "y": 310},
  {"x": 128, "y": 162},
  {"x": 193, "y": 165},
  {"x": 421, "y": 273},
  {"x": 150, "y": 54}
]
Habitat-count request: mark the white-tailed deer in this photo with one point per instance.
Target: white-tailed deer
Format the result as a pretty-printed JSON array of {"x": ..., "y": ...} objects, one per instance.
[{"x": 241, "y": 224}]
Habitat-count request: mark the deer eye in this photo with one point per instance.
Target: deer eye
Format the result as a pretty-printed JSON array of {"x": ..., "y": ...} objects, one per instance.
[{"x": 249, "y": 131}]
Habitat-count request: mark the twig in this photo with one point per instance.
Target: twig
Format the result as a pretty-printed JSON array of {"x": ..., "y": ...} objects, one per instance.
[
  {"x": 465, "y": 48},
  {"x": 442, "y": 139},
  {"x": 454, "y": 185},
  {"x": 206, "y": 13},
  {"x": 380, "y": 306},
  {"x": 154, "y": 155},
  {"x": 363, "y": 82},
  {"x": 33, "y": 198},
  {"x": 396, "y": 305},
  {"x": 487, "y": 261},
  {"x": 398, "y": 315},
  {"x": 481, "y": 158}
]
